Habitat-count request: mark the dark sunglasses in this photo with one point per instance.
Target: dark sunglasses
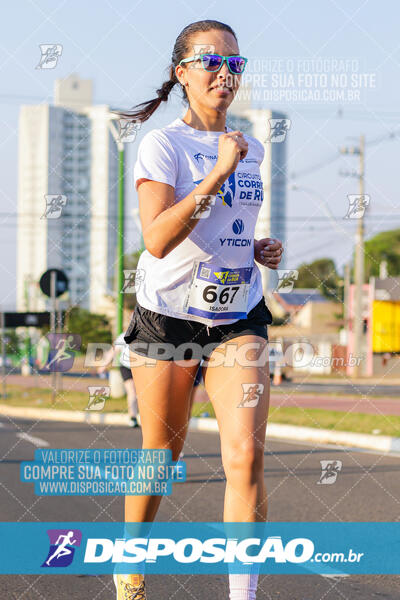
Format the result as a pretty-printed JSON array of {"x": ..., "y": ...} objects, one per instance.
[{"x": 213, "y": 62}]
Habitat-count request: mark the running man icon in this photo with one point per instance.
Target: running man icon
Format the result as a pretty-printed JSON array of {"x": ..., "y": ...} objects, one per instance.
[
  {"x": 62, "y": 351},
  {"x": 62, "y": 547}
]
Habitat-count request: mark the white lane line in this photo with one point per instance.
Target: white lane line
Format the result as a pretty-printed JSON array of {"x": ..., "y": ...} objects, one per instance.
[
  {"x": 334, "y": 577},
  {"x": 33, "y": 440}
]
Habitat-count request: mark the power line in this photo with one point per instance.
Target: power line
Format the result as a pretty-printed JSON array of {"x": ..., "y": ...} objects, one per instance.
[{"x": 315, "y": 167}]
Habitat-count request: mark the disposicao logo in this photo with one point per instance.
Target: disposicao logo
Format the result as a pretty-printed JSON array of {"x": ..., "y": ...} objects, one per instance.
[
  {"x": 192, "y": 550},
  {"x": 62, "y": 547}
]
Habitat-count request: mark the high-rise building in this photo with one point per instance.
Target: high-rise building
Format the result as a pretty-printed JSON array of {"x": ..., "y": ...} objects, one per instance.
[
  {"x": 272, "y": 216},
  {"x": 67, "y": 159}
]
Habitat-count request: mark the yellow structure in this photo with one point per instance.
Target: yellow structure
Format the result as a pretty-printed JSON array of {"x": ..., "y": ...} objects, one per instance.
[{"x": 385, "y": 326}]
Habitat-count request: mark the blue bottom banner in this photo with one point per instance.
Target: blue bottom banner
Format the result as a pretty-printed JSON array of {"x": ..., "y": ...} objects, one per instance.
[{"x": 200, "y": 548}]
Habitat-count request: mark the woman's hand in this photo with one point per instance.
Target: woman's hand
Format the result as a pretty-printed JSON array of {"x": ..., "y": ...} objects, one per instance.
[
  {"x": 268, "y": 252},
  {"x": 232, "y": 147}
]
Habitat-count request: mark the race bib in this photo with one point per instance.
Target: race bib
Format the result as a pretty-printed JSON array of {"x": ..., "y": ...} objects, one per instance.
[{"x": 217, "y": 292}]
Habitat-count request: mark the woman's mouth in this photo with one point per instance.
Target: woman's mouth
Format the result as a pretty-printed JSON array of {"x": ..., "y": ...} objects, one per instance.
[{"x": 222, "y": 90}]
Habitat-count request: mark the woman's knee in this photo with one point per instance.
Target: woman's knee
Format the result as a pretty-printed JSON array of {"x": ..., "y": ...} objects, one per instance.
[
  {"x": 244, "y": 458},
  {"x": 175, "y": 445}
]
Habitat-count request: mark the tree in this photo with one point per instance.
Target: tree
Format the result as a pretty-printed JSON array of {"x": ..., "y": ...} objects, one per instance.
[
  {"x": 12, "y": 341},
  {"x": 321, "y": 274},
  {"x": 383, "y": 246},
  {"x": 91, "y": 327}
]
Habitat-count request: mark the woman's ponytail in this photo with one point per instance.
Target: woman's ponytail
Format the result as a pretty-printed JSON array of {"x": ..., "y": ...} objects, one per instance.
[
  {"x": 165, "y": 89},
  {"x": 144, "y": 110}
]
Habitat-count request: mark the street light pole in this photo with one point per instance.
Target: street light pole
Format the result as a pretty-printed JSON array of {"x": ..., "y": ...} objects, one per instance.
[
  {"x": 120, "y": 226},
  {"x": 28, "y": 345},
  {"x": 120, "y": 251}
]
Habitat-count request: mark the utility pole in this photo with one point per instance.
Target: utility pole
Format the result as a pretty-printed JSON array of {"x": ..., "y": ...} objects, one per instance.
[
  {"x": 346, "y": 293},
  {"x": 358, "y": 261},
  {"x": 359, "y": 271}
]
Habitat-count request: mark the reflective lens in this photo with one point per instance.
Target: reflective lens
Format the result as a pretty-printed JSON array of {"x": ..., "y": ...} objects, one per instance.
[
  {"x": 211, "y": 62},
  {"x": 236, "y": 64}
]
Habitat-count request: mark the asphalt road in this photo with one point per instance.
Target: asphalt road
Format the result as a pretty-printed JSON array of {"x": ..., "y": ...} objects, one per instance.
[{"x": 367, "y": 489}]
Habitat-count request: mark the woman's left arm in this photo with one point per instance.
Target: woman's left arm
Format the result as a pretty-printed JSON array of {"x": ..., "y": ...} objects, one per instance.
[{"x": 268, "y": 252}]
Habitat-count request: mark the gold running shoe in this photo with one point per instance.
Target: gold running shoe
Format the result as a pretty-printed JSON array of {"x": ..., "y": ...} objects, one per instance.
[{"x": 130, "y": 587}]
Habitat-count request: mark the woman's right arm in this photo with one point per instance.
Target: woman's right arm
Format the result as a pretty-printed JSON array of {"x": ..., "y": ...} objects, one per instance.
[{"x": 166, "y": 224}]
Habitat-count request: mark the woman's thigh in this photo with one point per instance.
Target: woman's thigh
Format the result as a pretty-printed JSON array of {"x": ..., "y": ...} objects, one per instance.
[
  {"x": 239, "y": 392},
  {"x": 163, "y": 390}
]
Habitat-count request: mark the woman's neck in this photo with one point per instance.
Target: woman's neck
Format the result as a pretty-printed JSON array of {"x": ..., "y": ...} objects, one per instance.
[{"x": 205, "y": 122}]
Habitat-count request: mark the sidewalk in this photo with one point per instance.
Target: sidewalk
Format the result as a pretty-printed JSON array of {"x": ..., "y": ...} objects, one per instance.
[
  {"x": 347, "y": 403},
  {"x": 382, "y": 443},
  {"x": 345, "y": 380}
]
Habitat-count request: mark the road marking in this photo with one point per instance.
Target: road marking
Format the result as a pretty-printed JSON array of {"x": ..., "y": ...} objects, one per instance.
[
  {"x": 336, "y": 576},
  {"x": 33, "y": 440}
]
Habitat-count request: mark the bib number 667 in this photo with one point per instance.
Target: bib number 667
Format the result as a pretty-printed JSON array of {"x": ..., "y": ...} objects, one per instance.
[{"x": 210, "y": 295}]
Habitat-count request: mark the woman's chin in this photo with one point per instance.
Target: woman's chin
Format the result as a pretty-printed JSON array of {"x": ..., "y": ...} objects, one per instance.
[{"x": 221, "y": 103}]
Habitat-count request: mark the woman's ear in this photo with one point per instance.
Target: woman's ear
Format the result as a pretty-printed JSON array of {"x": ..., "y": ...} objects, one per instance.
[{"x": 179, "y": 74}]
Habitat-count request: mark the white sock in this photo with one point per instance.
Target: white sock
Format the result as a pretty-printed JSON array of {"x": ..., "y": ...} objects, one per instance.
[
  {"x": 243, "y": 586},
  {"x": 135, "y": 529}
]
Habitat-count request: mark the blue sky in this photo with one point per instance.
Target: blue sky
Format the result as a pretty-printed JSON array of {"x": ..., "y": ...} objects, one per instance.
[{"x": 125, "y": 47}]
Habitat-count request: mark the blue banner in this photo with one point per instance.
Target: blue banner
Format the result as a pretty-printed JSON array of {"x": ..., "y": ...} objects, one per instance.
[{"x": 201, "y": 548}]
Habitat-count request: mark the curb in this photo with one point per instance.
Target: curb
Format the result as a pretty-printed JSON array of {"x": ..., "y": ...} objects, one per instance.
[{"x": 382, "y": 443}]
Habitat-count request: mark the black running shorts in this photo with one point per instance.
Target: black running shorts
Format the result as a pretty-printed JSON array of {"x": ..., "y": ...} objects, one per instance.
[
  {"x": 125, "y": 372},
  {"x": 151, "y": 334}
]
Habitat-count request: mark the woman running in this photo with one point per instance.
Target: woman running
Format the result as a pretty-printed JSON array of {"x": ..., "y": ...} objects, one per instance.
[{"x": 200, "y": 191}]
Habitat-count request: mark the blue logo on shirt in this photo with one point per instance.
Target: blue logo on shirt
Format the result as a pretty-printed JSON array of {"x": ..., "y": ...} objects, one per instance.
[
  {"x": 227, "y": 191},
  {"x": 238, "y": 226},
  {"x": 200, "y": 155}
]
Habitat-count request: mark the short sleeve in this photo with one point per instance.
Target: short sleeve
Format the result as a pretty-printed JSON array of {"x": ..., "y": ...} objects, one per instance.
[{"x": 156, "y": 159}]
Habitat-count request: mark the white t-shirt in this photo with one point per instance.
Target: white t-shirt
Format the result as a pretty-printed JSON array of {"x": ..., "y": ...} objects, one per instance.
[
  {"x": 182, "y": 156},
  {"x": 122, "y": 346}
]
